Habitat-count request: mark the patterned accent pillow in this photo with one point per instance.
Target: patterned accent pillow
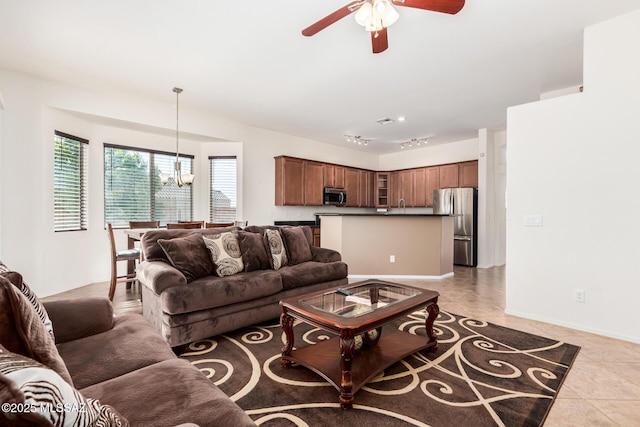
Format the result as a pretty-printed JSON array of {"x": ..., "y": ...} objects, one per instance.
[
  {"x": 225, "y": 253},
  {"x": 22, "y": 331},
  {"x": 16, "y": 279},
  {"x": 33, "y": 393},
  {"x": 275, "y": 246}
]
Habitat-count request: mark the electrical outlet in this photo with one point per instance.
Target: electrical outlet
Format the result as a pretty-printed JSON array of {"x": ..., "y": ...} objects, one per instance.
[
  {"x": 579, "y": 295},
  {"x": 392, "y": 258}
]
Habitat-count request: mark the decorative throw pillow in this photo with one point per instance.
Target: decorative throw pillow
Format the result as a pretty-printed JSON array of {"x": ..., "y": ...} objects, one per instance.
[
  {"x": 189, "y": 255},
  {"x": 297, "y": 245},
  {"x": 254, "y": 254},
  {"x": 16, "y": 279},
  {"x": 35, "y": 395},
  {"x": 273, "y": 241},
  {"x": 22, "y": 331},
  {"x": 225, "y": 253}
]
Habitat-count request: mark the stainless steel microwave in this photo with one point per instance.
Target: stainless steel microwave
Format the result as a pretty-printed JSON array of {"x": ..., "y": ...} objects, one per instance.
[{"x": 335, "y": 196}]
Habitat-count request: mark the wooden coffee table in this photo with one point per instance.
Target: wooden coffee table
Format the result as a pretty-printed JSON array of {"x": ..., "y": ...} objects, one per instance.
[{"x": 357, "y": 319}]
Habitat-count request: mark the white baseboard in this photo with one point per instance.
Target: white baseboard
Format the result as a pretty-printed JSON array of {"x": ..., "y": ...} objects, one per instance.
[{"x": 396, "y": 277}]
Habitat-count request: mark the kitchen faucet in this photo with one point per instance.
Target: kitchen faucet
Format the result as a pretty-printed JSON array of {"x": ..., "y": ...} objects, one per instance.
[{"x": 404, "y": 205}]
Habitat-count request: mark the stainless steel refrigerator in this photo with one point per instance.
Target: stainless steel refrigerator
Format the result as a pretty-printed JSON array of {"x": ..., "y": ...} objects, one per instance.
[{"x": 462, "y": 203}]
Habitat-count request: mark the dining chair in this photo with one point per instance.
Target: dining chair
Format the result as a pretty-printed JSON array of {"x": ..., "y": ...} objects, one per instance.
[
  {"x": 144, "y": 224},
  {"x": 117, "y": 256},
  {"x": 219, "y": 224},
  {"x": 188, "y": 225}
]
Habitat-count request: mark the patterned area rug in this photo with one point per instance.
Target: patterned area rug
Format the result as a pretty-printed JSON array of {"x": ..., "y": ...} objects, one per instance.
[{"x": 482, "y": 375}]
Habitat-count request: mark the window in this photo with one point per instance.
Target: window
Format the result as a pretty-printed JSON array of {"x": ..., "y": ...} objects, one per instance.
[
  {"x": 133, "y": 191},
  {"x": 223, "y": 189},
  {"x": 70, "y": 182}
]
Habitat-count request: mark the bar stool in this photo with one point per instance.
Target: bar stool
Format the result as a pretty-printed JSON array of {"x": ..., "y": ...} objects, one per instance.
[{"x": 116, "y": 256}]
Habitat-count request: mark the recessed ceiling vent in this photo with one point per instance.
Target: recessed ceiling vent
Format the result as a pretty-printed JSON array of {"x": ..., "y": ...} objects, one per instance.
[{"x": 385, "y": 121}]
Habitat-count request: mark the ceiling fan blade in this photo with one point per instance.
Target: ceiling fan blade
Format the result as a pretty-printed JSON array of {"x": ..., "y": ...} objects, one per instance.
[
  {"x": 445, "y": 6},
  {"x": 331, "y": 18},
  {"x": 379, "y": 40}
]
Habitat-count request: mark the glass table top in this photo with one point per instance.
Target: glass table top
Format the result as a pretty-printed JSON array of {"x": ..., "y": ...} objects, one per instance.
[{"x": 361, "y": 298}]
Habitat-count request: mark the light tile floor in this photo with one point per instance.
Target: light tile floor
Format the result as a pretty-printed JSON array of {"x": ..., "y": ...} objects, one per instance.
[{"x": 602, "y": 388}]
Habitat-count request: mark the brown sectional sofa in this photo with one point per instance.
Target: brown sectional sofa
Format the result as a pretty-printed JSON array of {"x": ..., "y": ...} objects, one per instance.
[
  {"x": 185, "y": 308},
  {"x": 119, "y": 364}
]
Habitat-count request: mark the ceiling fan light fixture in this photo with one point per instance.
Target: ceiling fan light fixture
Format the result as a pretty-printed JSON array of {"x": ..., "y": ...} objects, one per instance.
[
  {"x": 374, "y": 15},
  {"x": 364, "y": 14}
]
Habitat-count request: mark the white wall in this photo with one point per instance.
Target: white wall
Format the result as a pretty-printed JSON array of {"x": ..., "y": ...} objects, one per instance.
[
  {"x": 430, "y": 155},
  {"x": 574, "y": 160}
]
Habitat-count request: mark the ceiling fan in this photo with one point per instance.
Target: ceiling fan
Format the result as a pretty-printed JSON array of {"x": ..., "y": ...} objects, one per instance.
[{"x": 377, "y": 15}]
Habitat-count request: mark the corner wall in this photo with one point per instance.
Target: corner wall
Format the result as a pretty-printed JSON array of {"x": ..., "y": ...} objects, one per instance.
[{"x": 574, "y": 160}]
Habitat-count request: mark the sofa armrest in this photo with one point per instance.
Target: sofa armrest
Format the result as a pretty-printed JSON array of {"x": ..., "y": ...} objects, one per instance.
[
  {"x": 325, "y": 255},
  {"x": 158, "y": 276},
  {"x": 79, "y": 317}
]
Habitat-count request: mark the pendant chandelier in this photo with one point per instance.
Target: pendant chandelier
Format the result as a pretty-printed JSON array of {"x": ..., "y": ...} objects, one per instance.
[{"x": 180, "y": 178}]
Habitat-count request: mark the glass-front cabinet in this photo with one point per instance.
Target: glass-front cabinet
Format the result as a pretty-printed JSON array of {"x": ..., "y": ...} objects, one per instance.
[{"x": 382, "y": 189}]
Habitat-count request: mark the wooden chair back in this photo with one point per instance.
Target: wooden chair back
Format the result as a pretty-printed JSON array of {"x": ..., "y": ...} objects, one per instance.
[
  {"x": 144, "y": 224},
  {"x": 184, "y": 225},
  {"x": 219, "y": 224}
]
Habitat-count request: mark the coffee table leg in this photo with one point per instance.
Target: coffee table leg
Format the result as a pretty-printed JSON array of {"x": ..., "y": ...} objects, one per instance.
[
  {"x": 433, "y": 311},
  {"x": 287, "y": 326},
  {"x": 346, "y": 385}
]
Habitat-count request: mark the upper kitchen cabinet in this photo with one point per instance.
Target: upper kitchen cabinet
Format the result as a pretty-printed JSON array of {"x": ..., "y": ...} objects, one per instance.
[
  {"x": 468, "y": 174},
  {"x": 448, "y": 175},
  {"x": 366, "y": 189},
  {"x": 406, "y": 187},
  {"x": 289, "y": 181},
  {"x": 381, "y": 190},
  {"x": 333, "y": 175},
  {"x": 420, "y": 187},
  {"x": 352, "y": 187},
  {"x": 313, "y": 183},
  {"x": 433, "y": 182},
  {"x": 298, "y": 182}
]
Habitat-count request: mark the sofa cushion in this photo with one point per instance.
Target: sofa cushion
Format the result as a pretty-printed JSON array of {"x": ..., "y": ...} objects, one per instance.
[
  {"x": 16, "y": 279},
  {"x": 22, "y": 331},
  {"x": 298, "y": 248},
  {"x": 275, "y": 245},
  {"x": 26, "y": 383},
  {"x": 152, "y": 250},
  {"x": 211, "y": 291},
  {"x": 310, "y": 272},
  {"x": 225, "y": 253},
  {"x": 176, "y": 391},
  {"x": 189, "y": 255},
  {"x": 132, "y": 344},
  {"x": 254, "y": 254}
]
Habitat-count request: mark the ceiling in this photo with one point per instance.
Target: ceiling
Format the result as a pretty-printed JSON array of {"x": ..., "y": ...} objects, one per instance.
[{"x": 449, "y": 75}]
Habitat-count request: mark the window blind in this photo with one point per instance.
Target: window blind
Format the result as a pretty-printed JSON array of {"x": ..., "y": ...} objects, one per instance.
[
  {"x": 223, "y": 197},
  {"x": 133, "y": 190},
  {"x": 70, "y": 182}
]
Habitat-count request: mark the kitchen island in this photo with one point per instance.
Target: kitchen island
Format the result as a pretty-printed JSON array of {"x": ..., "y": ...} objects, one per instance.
[{"x": 391, "y": 245}]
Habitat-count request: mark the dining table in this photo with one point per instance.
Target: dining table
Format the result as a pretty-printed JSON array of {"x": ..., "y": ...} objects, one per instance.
[{"x": 134, "y": 235}]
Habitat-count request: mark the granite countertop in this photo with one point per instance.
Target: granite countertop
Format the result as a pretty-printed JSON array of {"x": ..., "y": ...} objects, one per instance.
[{"x": 379, "y": 214}]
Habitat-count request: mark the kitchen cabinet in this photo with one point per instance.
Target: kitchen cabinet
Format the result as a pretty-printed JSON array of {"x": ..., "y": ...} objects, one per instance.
[
  {"x": 333, "y": 175},
  {"x": 298, "y": 182},
  {"x": 352, "y": 186},
  {"x": 382, "y": 189},
  {"x": 394, "y": 189},
  {"x": 316, "y": 236},
  {"x": 433, "y": 182},
  {"x": 468, "y": 174},
  {"x": 420, "y": 187},
  {"x": 366, "y": 189},
  {"x": 289, "y": 181},
  {"x": 406, "y": 187},
  {"x": 313, "y": 180},
  {"x": 448, "y": 175}
]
